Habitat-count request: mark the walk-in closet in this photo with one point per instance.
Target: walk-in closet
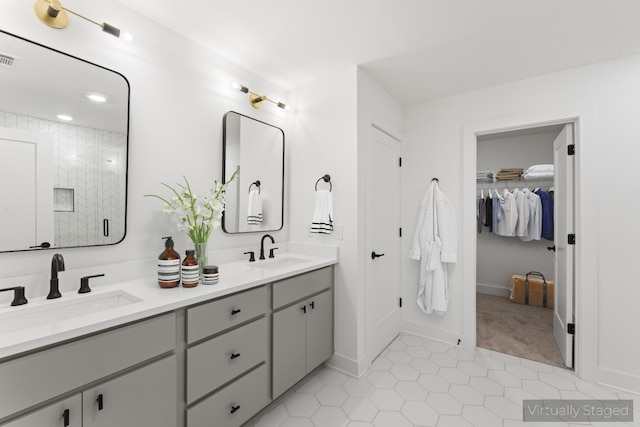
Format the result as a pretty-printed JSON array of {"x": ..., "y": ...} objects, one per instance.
[{"x": 510, "y": 164}]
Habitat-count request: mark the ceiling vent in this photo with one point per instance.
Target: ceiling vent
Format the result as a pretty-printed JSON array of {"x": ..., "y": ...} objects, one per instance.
[{"x": 7, "y": 61}]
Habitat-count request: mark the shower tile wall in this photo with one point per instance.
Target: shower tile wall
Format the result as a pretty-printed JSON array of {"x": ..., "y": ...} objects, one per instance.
[{"x": 89, "y": 162}]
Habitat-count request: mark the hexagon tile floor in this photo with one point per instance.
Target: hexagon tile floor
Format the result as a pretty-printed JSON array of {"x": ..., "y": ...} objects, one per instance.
[{"x": 418, "y": 382}]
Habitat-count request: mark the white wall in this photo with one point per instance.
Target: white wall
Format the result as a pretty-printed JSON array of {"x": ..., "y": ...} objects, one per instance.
[
  {"x": 179, "y": 94},
  {"x": 324, "y": 141},
  {"x": 606, "y": 98}
]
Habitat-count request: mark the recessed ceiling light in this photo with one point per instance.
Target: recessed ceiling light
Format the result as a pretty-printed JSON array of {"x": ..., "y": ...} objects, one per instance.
[
  {"x": 64, "y": 117},
  {"x": 96, "y": 97}
]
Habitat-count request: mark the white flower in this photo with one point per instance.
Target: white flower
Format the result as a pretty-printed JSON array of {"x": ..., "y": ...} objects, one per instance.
[{"x": 196, "y": 215}]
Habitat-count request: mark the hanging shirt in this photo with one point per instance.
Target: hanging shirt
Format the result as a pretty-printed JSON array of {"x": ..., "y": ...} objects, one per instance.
[
  {"x": 496, "y": 213},
  {"x": 522, "y": 207},
  {"x": 534, "y": 228},
  {"x": 547, "y": 214},
  {"x": 488, "y": 219},
  {"x": 508, "y": 215}
]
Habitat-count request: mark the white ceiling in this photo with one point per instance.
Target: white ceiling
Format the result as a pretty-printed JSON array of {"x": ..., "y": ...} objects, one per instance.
[{"x": 416, "y": 49}]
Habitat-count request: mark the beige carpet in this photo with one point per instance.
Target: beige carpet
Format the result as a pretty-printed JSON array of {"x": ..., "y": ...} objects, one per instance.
[{"x": 520, "y": 330}]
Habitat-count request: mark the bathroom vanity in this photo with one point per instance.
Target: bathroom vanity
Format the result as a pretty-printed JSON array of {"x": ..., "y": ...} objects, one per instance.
[{"x": 170, "y": 357}]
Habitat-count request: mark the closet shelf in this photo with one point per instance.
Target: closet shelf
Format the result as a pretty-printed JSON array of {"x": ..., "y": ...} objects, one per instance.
[{"x": 516, "y": 183}]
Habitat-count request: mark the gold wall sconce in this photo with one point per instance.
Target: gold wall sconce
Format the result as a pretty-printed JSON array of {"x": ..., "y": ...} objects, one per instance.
[
  {"x": 257, "y": 99},
  {"x": 53, "y": 14}
]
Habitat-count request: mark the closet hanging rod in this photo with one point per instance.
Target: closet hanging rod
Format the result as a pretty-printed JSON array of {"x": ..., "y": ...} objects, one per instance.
[{"x": 325, "y": 178}]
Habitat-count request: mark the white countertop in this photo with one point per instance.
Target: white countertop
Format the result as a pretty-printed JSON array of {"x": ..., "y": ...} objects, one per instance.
[{"x": 16, "y": 338}]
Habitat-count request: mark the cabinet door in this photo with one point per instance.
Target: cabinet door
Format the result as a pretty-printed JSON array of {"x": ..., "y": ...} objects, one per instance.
[
  {"x": 66, "y": 413},
  {"x": 289, "y": 347},
  {"x": 144, "y": 397},
  {"x": 319, "y": 329}
]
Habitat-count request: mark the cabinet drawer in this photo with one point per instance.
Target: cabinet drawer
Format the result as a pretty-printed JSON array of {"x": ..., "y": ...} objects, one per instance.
[
  {"x": 214, "y": 362},
  {"x": 53, "y": 415},
  {"x": 233, "y": 405},
  {"x": 216, "y": 316},
  {"x": 40, "y": 376},
  {"x": 299, "y": 287}
]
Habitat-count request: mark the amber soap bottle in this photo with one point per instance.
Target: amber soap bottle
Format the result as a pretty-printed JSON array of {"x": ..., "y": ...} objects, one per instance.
[
  {"x": 169, "y": 266},
  {"x": 190, "y": 273}
]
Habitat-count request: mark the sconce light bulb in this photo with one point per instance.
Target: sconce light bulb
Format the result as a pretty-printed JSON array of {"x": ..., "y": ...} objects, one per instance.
[
  {"x": 241, "y": 88},
  {"x": 110, "y": 29},
  {"x": 128, "y": 37}
]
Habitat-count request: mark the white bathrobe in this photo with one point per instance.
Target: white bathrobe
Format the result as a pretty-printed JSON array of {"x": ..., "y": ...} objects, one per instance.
[{"x": 435, "y": 243}]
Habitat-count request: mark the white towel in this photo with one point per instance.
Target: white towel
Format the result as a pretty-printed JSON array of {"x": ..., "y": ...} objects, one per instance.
[
  {"x": 530, "y": 176},
  {"x": 254, "y": 208},
  {"x": 322, "y": 221},
  {"x": 540, "y": 168}
]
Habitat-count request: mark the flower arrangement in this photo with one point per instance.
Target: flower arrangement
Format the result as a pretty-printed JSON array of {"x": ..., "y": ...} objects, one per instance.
[{"x": 196, "y": 215}]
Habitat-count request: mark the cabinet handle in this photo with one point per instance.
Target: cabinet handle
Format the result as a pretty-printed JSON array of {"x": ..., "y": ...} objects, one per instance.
[
  {"x": 234, "y": 408},
  {"x": 312, "y": 304},
  {"x": 304, "y": 309},
  {"x": 65, "y": 417},
  {"x": 235, "y": 311},
  {"x": 234, "y": 355},
  {"x": 100, "y": 401}
]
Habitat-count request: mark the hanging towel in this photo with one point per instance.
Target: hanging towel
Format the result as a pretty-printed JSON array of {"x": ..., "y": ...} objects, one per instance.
[
  {"x": 322, "y": 221},
  {"x": 254, "y": 208}
]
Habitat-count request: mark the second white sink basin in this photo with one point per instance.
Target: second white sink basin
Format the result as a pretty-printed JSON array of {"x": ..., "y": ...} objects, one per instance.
[
  {"x": 278, "y": 263},
  {"x": 15, "y": 319}
]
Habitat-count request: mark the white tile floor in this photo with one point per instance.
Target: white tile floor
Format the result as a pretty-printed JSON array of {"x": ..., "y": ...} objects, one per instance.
[{"x": 418, "y": 382}]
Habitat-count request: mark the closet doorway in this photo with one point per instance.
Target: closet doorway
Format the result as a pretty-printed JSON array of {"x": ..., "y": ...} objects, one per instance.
[{"x": 525, "y": 330}]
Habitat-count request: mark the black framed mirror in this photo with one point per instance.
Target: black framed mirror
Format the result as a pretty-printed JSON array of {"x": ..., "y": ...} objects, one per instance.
[
  {"x": 255, "y": 199},
  {"x": 63, "y": 149}
]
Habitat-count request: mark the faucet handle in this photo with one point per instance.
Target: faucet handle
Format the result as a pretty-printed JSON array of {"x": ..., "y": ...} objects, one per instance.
[
  {"x": 84, "y": 283},
  {"x": 271, "y": 255},
  {"x": 252, "y": 256},
  {"x": 18, "y": 295}
]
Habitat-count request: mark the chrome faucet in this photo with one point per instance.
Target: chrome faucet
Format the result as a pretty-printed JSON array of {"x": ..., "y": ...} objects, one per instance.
[
  {"x": 57, "y": 265},
  {"x": 262, "y": 246}
]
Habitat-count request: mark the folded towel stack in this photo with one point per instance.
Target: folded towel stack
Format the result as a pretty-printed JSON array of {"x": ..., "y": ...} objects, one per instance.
[
  {"x": 322, "y": 221},
  {"x": 508, "y": 174},
  {"x": 484, "y": 176},
  {"x": 254, "y": 208},
  {"x": 539, "y": 172}
]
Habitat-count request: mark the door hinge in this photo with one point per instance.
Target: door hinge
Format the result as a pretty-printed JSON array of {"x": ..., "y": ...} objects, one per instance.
[
  {"x": 571, "y": 149},
  {"x": 401, "y": 302},
  {"x": 571, "y": 328},
  {"x": 400, "y": 230},
  {"x": 571, "y": 239}
]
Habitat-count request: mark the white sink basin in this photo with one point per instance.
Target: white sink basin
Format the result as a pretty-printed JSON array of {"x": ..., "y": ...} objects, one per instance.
[
  {"x": 44, "y": 312},
  {"x": 278, "y": 263}
]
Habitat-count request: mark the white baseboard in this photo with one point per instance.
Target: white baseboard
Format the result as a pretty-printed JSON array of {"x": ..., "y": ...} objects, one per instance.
[
  {"x": 448, "y": 337},
  {"x": 347, "y": 365},
  {"x": 481, "y": 288}
]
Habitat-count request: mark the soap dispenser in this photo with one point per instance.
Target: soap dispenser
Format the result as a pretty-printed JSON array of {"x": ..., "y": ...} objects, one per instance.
[{"x": 169, "y": 266}]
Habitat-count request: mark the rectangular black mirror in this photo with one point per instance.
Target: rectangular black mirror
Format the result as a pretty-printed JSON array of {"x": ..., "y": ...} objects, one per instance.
[
  {"x": 255, "y": 200},
  {"x": 63, "y": 149}
]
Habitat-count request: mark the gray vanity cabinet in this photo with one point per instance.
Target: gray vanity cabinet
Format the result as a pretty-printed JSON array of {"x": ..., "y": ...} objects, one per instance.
[
  {"x": 131, "y": 366},
  {"x": 227, "y": 357},
  {"x": 66, "y": 413},
  {"x": 144, "y": 397},
  {"x": 302, "y": 326}
]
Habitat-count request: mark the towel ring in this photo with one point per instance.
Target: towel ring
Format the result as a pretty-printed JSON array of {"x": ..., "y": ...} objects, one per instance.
[
  {"x": 325, "y": 178},
  {"x": 257, "y": 184}
]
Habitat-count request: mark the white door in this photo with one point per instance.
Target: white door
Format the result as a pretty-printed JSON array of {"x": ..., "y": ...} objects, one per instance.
[
  {"x": 564, "y": 260},
  {"x": 26, "y": 189},
  {"x": 382, "y": 242}
]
